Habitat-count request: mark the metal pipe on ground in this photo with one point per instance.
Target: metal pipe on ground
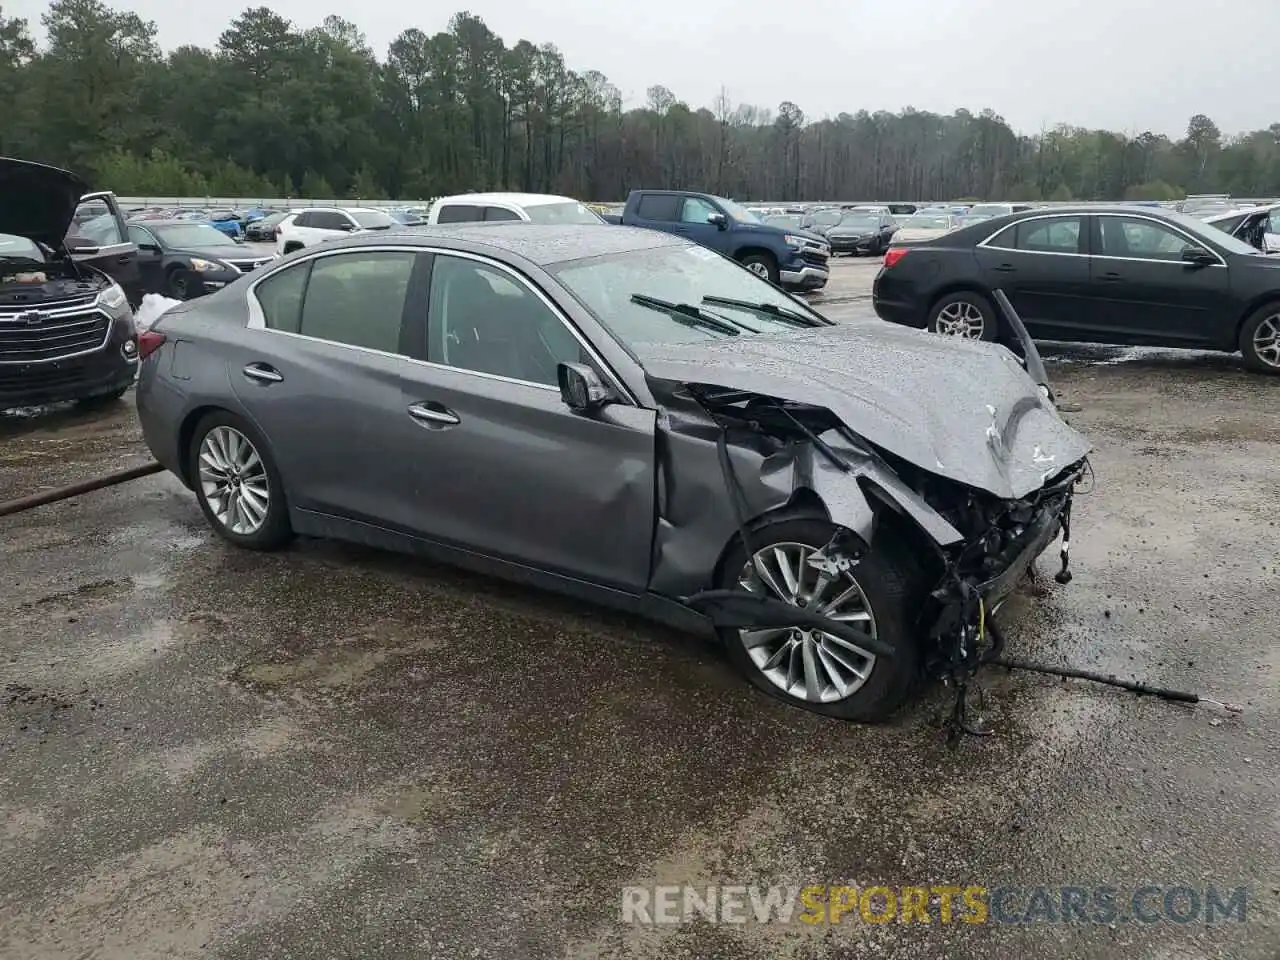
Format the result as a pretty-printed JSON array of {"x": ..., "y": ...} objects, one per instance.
[{"x": 75, "y": 489}]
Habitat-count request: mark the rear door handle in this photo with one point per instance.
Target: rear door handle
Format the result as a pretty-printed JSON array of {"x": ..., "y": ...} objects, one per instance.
[
  {"x": 127, "y": 258},
  {"x": 263, "y": 373},
  {"x": 1111, "y": 277},
  {"x": 432, "y": 414},
  {"x": 1006, "y": 268}
]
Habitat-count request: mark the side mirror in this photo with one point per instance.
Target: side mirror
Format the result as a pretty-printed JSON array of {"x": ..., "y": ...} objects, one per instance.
[
  {"x": 719, "y": 219},
  {"x": 580, "y": 387},
  {"x": 1198, "y": 256},
  {"x": 148, "y": 248}
]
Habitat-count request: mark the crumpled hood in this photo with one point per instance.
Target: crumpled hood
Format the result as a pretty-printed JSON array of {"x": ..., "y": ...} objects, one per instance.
[
  {"x": 38, "y": 202},
  {"x": 960, "y": 409}
]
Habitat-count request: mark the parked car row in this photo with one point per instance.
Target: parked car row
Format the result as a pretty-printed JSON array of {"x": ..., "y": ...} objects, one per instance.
[{"x": 1097, "y": 274}]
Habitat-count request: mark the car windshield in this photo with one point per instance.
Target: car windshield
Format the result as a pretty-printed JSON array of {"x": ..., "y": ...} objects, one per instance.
[
  {"x": 683, "y": 274},
  {"x": 193, "y": 235},
  {"x": 987, "y": 210},
  {"x": 826, "y": 218},
  {"x": 371, "y": 219},
  {"x": 926, "y": 223},
  {"x": 566, "y": 211},
  {"x": 1208, "y": 232},
  {"x": 20, "y": 247},
  {"x": 736, "y": 211},
  {"x": 786, "y": 220},
  {"x": 859, "y": 221}
]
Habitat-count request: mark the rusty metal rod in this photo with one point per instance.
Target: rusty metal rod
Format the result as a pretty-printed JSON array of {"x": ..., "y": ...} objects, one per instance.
[{"x": 75, "y": 489}]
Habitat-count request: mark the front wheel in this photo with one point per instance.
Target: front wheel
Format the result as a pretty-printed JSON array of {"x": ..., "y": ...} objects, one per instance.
[
  {"x": 763, "y": 266},
  {"x": 237, "y": 484},
  {"x": 811, "y": 669},
  {"x": 963, "y": 314},
  {"x": 179, "y": 285},
  {"x": 1260, "y": 339}
]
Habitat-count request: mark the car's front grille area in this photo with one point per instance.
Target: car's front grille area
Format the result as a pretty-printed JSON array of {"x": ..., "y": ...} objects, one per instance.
[
  {"x": 40, "y": 377},
  {"x": 814, "y": 257},
  {"x": 248, "y": 266},
  {"x": 30, "y": 335}
]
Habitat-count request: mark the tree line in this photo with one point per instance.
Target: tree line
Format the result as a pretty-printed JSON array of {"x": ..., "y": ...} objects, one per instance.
[{"x": 277, "y": 109}]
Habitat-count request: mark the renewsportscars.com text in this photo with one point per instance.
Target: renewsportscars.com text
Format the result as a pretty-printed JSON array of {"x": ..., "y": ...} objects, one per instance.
[{"x": 937, "y": 903}]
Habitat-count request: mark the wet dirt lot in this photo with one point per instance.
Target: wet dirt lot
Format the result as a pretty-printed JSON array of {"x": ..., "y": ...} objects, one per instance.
[{"x": 332, "y": 752}]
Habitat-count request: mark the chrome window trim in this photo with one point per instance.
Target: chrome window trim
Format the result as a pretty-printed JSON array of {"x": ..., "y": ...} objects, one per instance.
[
  {"x": 1191, "y": 238},
  {"x": 988, "y": 245},
  {"x": 1084, "y": 226},
  {"x": 258, "y": 321}
]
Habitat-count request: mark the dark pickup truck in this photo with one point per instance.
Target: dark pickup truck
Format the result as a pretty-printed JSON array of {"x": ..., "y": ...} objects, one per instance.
[{"x": 795, "y": 259}]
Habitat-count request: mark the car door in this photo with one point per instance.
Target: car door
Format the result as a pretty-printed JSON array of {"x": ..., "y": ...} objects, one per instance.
[
  {"x": 103, "y": 242},
  {"x": 695, "y": 225},
  {"x": 1146, "y": 292},
  {"x": 495, "y": 462},
  {"x": 1042, "y": 264},
  {"x": 150, "y": 258},
  {"x": 658, "y": 211},
  {"x": 319, "y": 372}
]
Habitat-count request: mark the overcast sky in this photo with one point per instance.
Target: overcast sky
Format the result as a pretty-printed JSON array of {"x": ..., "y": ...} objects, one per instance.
[{"x": 1128, "y": 65}]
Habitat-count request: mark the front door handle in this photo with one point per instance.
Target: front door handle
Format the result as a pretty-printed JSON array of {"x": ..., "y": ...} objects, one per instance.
[
  {"x": 1111, "y": 277},
  {"x": 433, "y": 414},
  {"x": 262, "y": 373},
  {"x": 1006, "y": 268}
]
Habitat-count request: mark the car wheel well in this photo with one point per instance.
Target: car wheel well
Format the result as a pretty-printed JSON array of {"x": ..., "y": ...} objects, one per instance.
[
  {"x": 1266, "y": 299},
  {"x": 755, "y": 252},
  {"x": 961, "y": 287},
  {"x": 291, "y": 246},
  {"x": 186, "y": 434}
]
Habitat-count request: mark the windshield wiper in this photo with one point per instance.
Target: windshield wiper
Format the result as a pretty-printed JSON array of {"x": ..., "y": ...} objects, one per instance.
[
  {"x": 794, "y": 317},
  {"x": 689, "y": 315}
]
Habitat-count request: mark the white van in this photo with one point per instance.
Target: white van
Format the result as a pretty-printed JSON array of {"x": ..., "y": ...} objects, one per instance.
[{"x": 497, "y": 207}]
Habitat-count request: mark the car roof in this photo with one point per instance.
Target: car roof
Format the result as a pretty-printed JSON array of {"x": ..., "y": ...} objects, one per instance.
[
  {"x": 173, "y": 223},
  {"x": 337, "y": 209},
  {"x": 515, "y": 199},
  {"x": 541, "y": 244}
]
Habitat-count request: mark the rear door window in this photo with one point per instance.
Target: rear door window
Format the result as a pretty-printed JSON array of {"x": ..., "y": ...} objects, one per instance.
[
  {"x": 458, "y": 213},
  {"x": 499, "y": 213},
  {"x": 358, "y": 299},
  {"x": 280, "y": 297},
  {"x": 659, "y": 206}
]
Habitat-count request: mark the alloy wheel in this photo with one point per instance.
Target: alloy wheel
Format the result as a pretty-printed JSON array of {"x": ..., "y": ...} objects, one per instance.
[
  {"x": 805, "y": 663},
  {"x": 759, "y": 269},
  {"x": 233, "y": 480},
  {"x": 960, "y": 318},
  {"x": 1266, "y": 341}
]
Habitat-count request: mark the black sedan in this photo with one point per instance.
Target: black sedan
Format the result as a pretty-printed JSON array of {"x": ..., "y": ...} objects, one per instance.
[
  {"x": 1118, "y": 275},
  {"x": 184, "y": 259},
  {"x": 861, "y": 232}
]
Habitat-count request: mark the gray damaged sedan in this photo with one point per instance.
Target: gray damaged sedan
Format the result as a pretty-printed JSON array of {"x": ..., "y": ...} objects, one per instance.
[{"x": 632, "y": 419}]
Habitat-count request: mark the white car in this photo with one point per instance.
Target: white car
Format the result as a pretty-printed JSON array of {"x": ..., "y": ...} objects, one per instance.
[
  {"x": 924, "y": 226},
  {"x": 302, "y": 228},
  {"x": 497, "y": 207}
]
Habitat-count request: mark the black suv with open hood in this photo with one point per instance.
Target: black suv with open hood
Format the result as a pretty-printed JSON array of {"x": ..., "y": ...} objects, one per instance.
[{"x": 66, "y": 328}]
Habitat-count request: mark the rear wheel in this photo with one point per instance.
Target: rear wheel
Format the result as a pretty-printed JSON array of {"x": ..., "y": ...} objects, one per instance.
[
  {"x": 1260, "y": 339},
  {"x": 812, "y": 669},
  {"x": 237, "y": 483},
  {"x": 762, "y": 265},
  {"x": 964, "y": 314}
]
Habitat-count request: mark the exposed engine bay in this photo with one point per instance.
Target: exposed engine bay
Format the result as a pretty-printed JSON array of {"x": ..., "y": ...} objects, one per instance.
[{"x": 23, "y": 280}]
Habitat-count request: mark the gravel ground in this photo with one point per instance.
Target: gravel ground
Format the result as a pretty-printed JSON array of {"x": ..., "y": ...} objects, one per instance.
[{"x": 333, "y": 752}]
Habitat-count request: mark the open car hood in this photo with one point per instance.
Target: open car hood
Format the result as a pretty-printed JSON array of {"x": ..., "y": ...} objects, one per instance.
[
  {"x": 38, "y": 202},
  {"x": 960, "y": 409}
]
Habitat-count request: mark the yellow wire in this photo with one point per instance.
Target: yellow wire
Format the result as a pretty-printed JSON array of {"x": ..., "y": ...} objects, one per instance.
[{"x": 982, "y": 620}]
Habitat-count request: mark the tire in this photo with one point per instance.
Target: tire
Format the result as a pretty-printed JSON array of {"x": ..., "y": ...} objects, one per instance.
[
  {"x": 102, "y": 399},
  {"x": 964, "y": 307},
  {"x": 763, "y": 266},
  {"x": 213, "y": 435},
  {"x": 892, "y": 590},
  {"x": 177, "y": 284},
  {"x": 1260, "y": 339}
]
